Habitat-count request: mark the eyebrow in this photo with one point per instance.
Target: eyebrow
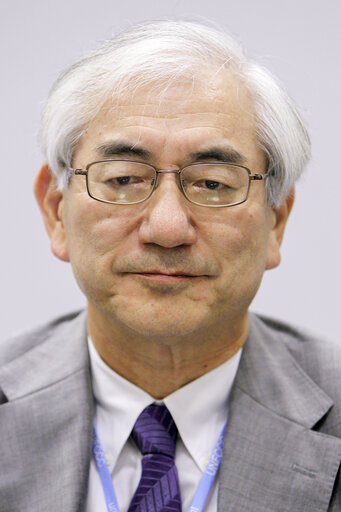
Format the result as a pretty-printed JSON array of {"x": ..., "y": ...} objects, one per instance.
[
  {"x": 227, "y": 154},
  {"x": 122, "y": 149}
]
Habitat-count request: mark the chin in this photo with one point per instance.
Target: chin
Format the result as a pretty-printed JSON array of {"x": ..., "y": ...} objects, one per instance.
[
  {"x": 161, "y": 326},
  {"x": 156, "y": 317},
  {"x": 158, "y": 330}
]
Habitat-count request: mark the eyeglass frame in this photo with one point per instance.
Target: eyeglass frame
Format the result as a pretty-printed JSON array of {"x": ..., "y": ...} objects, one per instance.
[{"x": 251, "y": 177}]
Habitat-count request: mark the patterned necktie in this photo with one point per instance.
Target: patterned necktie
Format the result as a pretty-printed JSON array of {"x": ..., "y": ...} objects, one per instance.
[{"x": 155, "y": 435}]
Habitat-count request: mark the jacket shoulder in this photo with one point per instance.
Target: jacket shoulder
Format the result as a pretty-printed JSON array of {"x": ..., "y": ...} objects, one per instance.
[
  {"x": 17, "y": 345},
  {"x": 318, "y": 357},
  {"x": 309, "y": 349}
]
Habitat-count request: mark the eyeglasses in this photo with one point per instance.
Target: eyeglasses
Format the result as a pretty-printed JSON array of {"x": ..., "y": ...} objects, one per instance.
[{"x": 212, "y": 184}]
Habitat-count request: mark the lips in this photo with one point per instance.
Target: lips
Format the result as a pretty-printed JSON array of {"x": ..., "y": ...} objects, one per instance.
[
  {"x": 177, "y": 273},
  {"x": 168, "y": 265},
  {"x": 166, "y": 278}
]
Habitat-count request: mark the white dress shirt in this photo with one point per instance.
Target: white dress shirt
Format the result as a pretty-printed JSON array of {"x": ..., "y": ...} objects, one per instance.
[{"x": 199, "y": 410}]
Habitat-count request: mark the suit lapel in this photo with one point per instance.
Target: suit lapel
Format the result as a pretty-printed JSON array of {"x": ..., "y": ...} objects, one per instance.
[
  {"x": 272, "y": 458},
  {"x": 46, "y": 424}
]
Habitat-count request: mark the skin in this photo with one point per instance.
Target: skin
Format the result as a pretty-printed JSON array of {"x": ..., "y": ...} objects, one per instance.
[{"x": 168, "y": 283}]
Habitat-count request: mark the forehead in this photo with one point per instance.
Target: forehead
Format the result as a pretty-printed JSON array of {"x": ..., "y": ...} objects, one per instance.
[{"x": 184, "y": 115}]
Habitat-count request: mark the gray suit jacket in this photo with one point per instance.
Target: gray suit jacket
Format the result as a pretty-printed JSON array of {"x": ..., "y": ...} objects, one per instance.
[{"x": 282, "y": 450}]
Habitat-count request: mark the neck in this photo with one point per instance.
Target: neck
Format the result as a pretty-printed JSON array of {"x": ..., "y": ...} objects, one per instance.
[{"x": 161, "y": 366}]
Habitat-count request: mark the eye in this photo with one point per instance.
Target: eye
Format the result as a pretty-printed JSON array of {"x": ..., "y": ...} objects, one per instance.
[
  {"x": 122, "y": 181},
  {"x": 210, "y": 185},
  {"x": 213, "y": 185}
]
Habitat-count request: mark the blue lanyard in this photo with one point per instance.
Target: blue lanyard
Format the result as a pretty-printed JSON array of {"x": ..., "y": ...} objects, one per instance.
[{"x": 202, "y": 491}]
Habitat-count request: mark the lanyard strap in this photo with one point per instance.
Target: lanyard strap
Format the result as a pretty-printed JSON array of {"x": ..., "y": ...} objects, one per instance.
[
  {"x": 104, "y": 473},
  {"x": 201, "y": 493},
  {"x": 209, "y": 475}
]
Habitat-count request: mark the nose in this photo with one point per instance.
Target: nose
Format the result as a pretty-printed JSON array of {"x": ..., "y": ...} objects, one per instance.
[{"x": 167, "y": 218}]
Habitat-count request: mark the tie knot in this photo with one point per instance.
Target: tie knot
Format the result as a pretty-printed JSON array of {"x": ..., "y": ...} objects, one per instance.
[{"x": 155, "y": 431}]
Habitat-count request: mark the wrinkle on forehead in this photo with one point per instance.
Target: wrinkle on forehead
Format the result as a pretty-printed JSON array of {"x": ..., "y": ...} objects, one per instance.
[
  {"x": 182, "y": 113},
  {"x": 166, "y": 100}
]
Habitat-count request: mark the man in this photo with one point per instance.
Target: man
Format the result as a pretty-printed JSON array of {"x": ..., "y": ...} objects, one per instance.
[{"x": 171, "y": 162}]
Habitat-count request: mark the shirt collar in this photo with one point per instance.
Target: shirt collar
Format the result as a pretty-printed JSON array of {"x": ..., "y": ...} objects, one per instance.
[
  {"x": 118, "y": 404},
  {"x": 205, "y": 401}
]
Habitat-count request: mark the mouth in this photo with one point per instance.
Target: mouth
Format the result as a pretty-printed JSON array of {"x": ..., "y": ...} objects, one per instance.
[{"x": 167, "y": 276}]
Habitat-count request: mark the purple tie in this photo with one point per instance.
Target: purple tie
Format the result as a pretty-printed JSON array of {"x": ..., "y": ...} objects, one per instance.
[{"x": 155, "y": 435}]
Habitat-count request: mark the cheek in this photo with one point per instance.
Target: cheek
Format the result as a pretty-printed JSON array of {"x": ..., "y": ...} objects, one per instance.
[
  {"x": 96, "y": 233},
  {"x": 243, "y": 230},
  {"x": 97, "y": 227},
  {"x": 242, "y": 250}
]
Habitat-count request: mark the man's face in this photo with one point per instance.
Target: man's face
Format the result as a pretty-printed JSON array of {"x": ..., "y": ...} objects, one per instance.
[{"x": 166, "y": 267}]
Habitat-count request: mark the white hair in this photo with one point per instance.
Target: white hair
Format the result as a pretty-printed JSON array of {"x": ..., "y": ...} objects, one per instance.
[{"x": 163, "y": 53}]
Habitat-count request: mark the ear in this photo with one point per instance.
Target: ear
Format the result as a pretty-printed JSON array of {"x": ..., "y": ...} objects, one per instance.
[
  {"x": 279, "y": 219},
  {"x": 51, "y": 204}
]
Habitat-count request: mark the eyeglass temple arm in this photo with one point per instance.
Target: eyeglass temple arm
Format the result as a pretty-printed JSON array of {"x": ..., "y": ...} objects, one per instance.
[
  {"x": 257, "y": 176},
  {"x": 83, "y": 172}
]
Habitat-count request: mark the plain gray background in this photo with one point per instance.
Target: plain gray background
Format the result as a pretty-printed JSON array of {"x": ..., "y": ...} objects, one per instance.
[{"x": 298, "y": 40}]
